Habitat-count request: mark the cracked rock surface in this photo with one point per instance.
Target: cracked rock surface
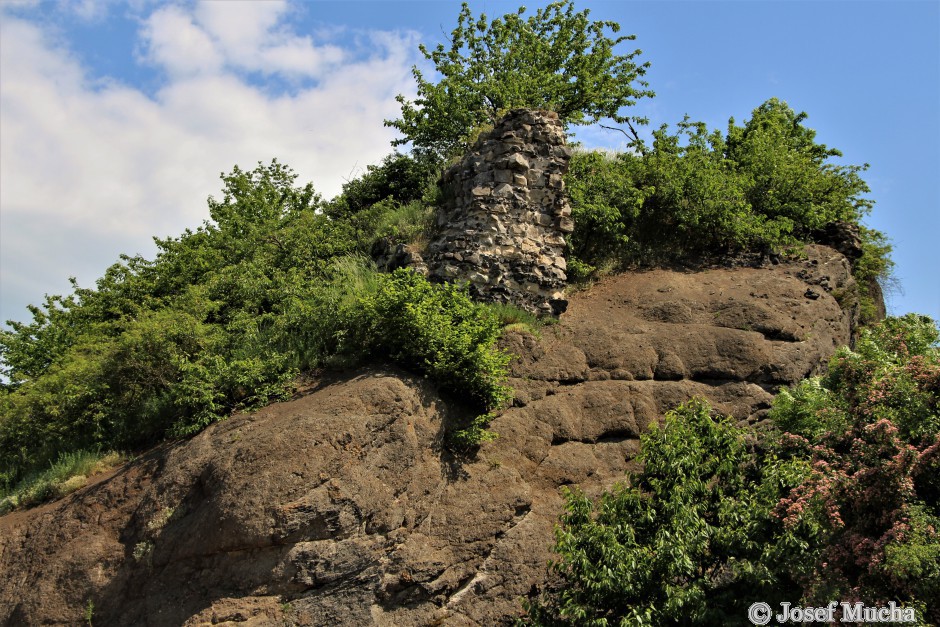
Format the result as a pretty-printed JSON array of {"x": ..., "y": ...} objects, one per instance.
[{"x": 342, "y": 507}]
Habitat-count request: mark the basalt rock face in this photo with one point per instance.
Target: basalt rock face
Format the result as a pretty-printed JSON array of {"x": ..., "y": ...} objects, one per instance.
[
  {"x": 342, "y": 506},
  {"x": 503, "y": 226}
]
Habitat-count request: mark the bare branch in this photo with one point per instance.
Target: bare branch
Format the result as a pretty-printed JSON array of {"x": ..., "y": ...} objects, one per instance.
[{"x": 632, "y": 136}]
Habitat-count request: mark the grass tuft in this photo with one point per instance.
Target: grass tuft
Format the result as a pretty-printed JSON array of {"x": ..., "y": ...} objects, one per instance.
[{"x": 69, "y": 473}]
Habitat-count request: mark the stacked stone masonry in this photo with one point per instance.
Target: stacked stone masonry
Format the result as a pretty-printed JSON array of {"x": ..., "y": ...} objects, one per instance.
[{"x": 503, "y": 226}]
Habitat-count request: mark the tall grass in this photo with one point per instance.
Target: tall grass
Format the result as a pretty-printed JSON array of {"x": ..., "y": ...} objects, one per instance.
[
  {"x": 409, "y": 223},
  {"x": 69, "y": 473},
  {"x": 513, "y": 318}
]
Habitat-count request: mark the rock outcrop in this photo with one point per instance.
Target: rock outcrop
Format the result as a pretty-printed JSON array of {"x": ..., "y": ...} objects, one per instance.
[
  {"x": 503, "y": 225},
  {"x": 342, "y": 507}
]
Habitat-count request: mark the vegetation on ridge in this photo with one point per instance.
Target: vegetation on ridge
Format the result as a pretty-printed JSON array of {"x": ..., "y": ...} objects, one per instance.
[
  {"x": 225, "y": 316},
  {"x": 763, "y": 186},
  {"x": 277, "y": 281}
]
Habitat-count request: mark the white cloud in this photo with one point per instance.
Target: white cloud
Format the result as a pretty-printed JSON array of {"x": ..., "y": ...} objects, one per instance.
[
  {"x": 241, "y": 24},
  {"x": 243, "y": 36},
  {"x": 88, "y": 10},
  {"x": 90, "y": 169},
  {"x": 176, "y": 43}
]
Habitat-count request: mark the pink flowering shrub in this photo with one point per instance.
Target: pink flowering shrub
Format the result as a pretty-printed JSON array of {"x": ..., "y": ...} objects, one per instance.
[{"x": 871, "y": 429}]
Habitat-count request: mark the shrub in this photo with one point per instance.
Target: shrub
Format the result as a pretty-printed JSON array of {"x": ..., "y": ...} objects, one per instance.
[
  {"x": 684, "y": 542},
  {"x": 763, "y": 186},
  {"x": 605, "y": 202},
  {"x": 439, "y": 330},
  {"x": 475, "y": 434}
]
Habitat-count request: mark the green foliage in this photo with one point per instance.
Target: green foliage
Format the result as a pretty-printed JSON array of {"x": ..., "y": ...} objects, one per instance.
[
  {"x": 842, "y": 503},
  {"x": 605, "y": 202},
  {"x": 429, "y": 328},
  {"x": 167, "y": 346},
  {"x": 464, "y": 440},
  {"x": 809, "y": 410},
  {"x": 225, "y": 316},
  {"x": 400, "y": 178},
  {"x": 432, "y": 329},
  {"x": 89, "y": 612},
  {"x": 696, "y": 193},
  {"x": 438, "y": 330},
  {"x": 406, "y": 223},
  {"x": 698, "y": 200},
  {"x": 143, "y": 552},
  {"x": 685, "y": 543},
  {"x": 789, "y": 177},
  {"x": 913, "y": 553},
  {"x": 395, "y": 199},
  {"x": 556, "y": 59}
]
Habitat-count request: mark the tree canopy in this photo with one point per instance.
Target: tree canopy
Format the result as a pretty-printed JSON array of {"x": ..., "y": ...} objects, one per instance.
[{"x": 556, "y": 59}]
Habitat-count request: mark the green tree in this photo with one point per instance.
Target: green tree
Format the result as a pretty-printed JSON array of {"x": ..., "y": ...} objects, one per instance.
[
  {"x": 556, "y": 59},
  {"x": 790, "y": 178},
  {"x": 684, "y": 542}
]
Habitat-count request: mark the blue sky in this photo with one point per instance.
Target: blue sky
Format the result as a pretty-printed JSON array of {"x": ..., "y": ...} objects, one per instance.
[{"x": 116, "y": 118}]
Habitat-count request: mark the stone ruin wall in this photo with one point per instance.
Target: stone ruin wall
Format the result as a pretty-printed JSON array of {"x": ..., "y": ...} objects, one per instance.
[{"x": 503, "y": 225}]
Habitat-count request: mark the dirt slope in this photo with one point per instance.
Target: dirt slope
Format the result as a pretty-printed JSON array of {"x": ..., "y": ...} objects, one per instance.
[{"x": 341, "y": 506}]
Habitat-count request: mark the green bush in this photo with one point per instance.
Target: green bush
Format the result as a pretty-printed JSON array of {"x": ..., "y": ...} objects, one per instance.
[
  {"x": 433, "y": 329},
  {"x": 760, "y": 187},
  {"x": 476, "y": 433},
  {"x": 684, "y": 543},
  {"x": 400, "y": 178},
  {"x": 438, "y": 330},
  {"x": 605, "y": 202},
  {"x": 394, "y": 199}
]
